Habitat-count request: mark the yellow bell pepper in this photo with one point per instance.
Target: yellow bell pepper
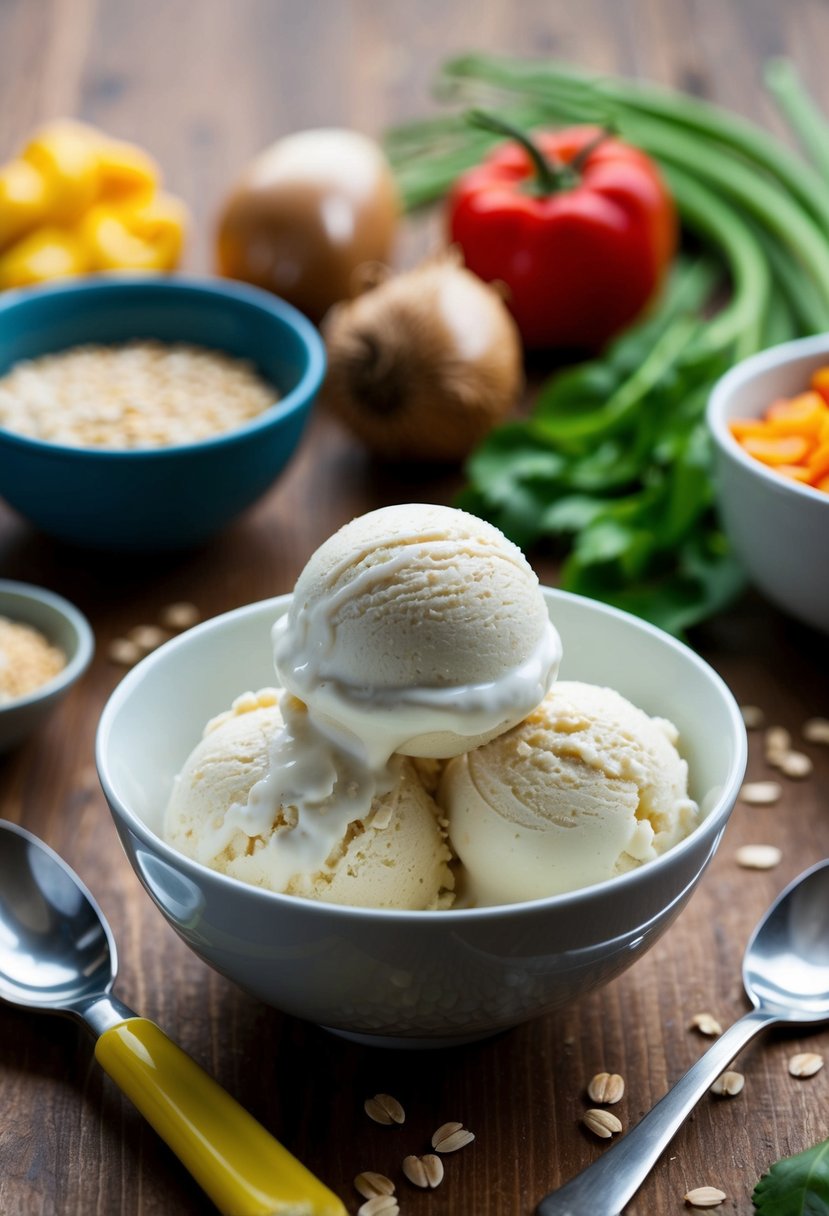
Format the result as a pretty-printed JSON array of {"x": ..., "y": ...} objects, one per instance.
[
  {"x": 65, "y": 153},
  {"x": 24, "y": 200},
  {"x": 126, "y": 173},
  {"x": 46, "y": 253},
  {"x": 76, "y": 200},
  {"x": 147, "y": 236}
]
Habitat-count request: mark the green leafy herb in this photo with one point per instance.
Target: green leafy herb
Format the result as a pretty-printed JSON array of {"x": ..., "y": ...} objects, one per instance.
[{"x": 796, "y": 1186}]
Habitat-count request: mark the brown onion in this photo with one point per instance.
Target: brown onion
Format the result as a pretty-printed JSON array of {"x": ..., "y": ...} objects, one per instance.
[
  {"x": 306, "y": 213},
  {"x": 423, "y": 365}
]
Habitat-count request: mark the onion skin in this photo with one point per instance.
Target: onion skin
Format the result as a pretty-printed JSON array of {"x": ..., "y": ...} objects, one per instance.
[
  {"x": 306, "y": 213},
  {"x": 422, "y": 366}
]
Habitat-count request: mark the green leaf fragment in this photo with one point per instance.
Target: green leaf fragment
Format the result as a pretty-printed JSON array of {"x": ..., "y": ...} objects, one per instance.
[{"x": 796, "y": 1186}]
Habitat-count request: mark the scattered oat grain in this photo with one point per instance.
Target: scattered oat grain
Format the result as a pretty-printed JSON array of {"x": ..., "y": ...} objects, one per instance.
[
  {"x": 450, "y": 1137},
  {"x": 816, "y": 730},
  {"x": 796, "y": 764},
  {"x": 761, "y": 793},
  {"x": 379, "y": 1205},
  {"x": 776, "y": 744},
  {"x": 606, "y": 1088},
  {"x": 758, "y": 856},
  {"x": 147, "y": 637},
  {"x": 369, "y": 1184},
  {"x": 805, "y": 1064},
  {"x": 705, "y": 1197},
  {"x": 181, "y": 615},
  {"x": 385, "y": 1109},
  {"x": 706, "y": 1024},
  {"x": 601, "y": 1123},
  {"x": 753, "y": 717},
  {"x": 124, "y": 652},
  {"x": 425, "y": 1172},
  {"x": 729, "y": 1084}
]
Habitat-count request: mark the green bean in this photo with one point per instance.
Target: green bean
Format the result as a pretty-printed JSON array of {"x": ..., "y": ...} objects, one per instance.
[
  {"x": 740, "y": 321},
  {"x": 807, "y": 307},
  {"x": 765, "y": 201},
  {"x": 801, "y": 113},
  {"x": 780, "y": 323}
]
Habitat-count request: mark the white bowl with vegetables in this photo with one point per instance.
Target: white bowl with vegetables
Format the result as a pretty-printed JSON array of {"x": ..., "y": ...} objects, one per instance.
[{"x": 778, "y": 526}]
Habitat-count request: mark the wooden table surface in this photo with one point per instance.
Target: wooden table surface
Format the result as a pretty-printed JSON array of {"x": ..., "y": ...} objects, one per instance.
[{"x": 204, "y": 86}]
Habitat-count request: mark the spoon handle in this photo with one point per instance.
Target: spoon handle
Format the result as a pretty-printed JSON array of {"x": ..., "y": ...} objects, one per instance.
[
  {"x": 233, "y": 1158},
  {"x": 604, "y": 1187}
]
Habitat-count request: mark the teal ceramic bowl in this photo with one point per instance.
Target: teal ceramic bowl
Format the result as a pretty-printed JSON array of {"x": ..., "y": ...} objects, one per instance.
[{"x": 161, "y": 498}]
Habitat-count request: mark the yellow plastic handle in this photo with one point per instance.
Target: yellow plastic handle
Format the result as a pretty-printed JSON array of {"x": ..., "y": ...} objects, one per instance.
[{"x": 240, "y": 1165}]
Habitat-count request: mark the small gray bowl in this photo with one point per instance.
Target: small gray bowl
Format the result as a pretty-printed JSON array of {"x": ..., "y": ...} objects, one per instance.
[{"x": 66, "y": 628}]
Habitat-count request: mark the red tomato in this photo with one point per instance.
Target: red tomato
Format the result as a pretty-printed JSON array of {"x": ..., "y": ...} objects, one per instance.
[{"x": 581, "y": 254}]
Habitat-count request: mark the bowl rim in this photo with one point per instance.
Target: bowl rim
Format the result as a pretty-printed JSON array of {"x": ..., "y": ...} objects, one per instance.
[
  {"x": 295, "y": 400},
  {"x": 712, "y": 825},
  {"x": 75, "y": 666},
  {"x": 754, "y": 367}
]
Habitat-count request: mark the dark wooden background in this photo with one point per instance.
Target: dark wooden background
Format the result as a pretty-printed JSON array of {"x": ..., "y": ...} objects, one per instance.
[{"x": 204, "y": 84}]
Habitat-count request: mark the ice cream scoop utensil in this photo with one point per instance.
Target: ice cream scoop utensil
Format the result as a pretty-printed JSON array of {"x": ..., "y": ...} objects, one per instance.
[
  {"x": 786, "y": 976},
  {"x": 57, "y": 955}
]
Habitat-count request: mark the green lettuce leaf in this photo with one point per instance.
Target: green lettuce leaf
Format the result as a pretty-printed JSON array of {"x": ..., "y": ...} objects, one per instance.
[{"x": 796, "y": 1186}]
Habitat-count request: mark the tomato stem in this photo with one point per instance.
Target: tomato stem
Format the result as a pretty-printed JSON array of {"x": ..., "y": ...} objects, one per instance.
[
  {"x": 550, "y": 175},
  {"x": 580, "y": 159}
]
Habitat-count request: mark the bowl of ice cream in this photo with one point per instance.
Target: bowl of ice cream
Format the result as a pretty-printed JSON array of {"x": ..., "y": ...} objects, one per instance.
[
  {"x": 146, "y": 413},
  {"x": 425, "y": 837},
  {"x": 46, "y": 644},
  {"x": 777, "y": 524}
]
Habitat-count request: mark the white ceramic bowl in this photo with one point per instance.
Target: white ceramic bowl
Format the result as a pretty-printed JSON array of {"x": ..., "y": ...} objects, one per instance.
[
  {"x": 411, "y": 978},
  {"x": 779, "y": 529},
  {"x": 65, "y": 627}
]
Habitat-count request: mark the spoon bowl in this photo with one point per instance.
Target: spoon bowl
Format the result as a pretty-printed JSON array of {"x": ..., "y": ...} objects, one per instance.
[
  {"x": 786, "y": 963},
  {"x": 786, "y": 977},
  {"x": 56, "y": 949}
]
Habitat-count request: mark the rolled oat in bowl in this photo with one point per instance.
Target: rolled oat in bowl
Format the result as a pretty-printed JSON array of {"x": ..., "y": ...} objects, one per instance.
[
  {"x": 28, "y": 660},
  {"x": 138, "y": 394}
]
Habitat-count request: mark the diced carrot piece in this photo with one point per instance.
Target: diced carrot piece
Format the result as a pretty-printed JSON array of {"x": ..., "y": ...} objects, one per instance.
[
  {"x": 801, "y": 415},
  {"x": 797, "y": 472},
  {"x": 820, "y": 382},
  {"x": 818, "y": 462},
  {"x": 743, "y": 428},
  {"x": 780, "y": 449}
]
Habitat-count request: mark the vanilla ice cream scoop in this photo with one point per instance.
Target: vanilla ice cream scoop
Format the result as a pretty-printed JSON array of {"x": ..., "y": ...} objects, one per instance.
[
  {"x": 417, "y": 629},
  {"x": 396, "y": 856},
  {"x": 587, "y": 786}
]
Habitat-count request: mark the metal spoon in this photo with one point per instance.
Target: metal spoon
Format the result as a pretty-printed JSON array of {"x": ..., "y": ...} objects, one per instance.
[
  {"x": 786, "y": 976},
  {"x": 57, "y": 955}
]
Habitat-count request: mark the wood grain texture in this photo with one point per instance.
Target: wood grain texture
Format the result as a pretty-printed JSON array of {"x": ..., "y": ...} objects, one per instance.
[{"x": 204, "y": 85}]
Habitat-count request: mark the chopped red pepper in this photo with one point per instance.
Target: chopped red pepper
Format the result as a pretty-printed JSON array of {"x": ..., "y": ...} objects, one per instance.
[{"x": 578, "y": 225}]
